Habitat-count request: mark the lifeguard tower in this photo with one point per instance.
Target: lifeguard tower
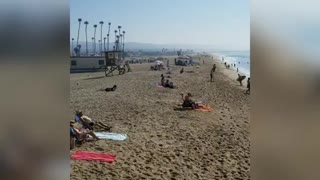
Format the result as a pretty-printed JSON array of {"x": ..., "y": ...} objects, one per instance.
[{"x": 115, "y": 60}]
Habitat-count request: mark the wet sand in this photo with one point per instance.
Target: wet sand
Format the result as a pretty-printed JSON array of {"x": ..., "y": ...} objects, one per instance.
[{"x": 163, "y": 143}]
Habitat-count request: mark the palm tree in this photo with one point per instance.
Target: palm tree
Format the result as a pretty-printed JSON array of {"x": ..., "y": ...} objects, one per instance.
[
  {"x": 86, "y": 23},
  {"x": 108, "y": 35},
  {"x": 123, "y": 43},
  {"x": 101, "y": 23},
  {"x": 119, "y": 27},
  {"x": 72, "y": 46},
  {"x": 95, "y": 28},
  {"x": 79, "y": 20},
  {"x": 107, "y": 42},
  {"x": 115, "y": 35},
  {"x": 117, "y": 43},
  {"x": 120, "y": 42},
  {"x": 99, "y": 41},
  {"x": 104, "y": 43},
  {"x": 92, "y": 43}
]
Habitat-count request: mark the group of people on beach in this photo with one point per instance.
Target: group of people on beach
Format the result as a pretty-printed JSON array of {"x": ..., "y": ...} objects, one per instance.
[
  {"x": 240, "y": 77},
  {"x": 82, "y": 127},
  {"x": 166, "y": 83}
]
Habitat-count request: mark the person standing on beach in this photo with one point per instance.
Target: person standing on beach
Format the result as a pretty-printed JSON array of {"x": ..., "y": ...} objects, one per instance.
[
  {"x": 240, "y": 79},
  {"x": 212, "y": 71},
  {"x": 214, "y": 68},
  {"x": 248, "y": 86},
  {"x": 162, "y": 80}
]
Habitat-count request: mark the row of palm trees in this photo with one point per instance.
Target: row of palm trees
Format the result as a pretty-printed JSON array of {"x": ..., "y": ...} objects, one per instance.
[{"x": 119, "y": 39}]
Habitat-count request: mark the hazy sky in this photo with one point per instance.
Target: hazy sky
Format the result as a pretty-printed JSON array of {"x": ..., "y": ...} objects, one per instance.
[{"x": 223, "y": 23}]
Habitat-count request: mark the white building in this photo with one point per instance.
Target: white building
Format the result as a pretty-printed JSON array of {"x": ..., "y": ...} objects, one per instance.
[{"x": 86, "y": 63}]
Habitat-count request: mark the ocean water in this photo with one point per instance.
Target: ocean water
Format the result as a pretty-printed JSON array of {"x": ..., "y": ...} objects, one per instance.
[{"x": 240, "y": 58}]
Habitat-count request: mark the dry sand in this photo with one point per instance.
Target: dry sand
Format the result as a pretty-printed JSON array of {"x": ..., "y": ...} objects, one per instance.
[{"x": 163, "y": 143}]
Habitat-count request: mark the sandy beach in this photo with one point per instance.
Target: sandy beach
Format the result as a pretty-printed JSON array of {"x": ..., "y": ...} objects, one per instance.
[{"x": 163, "y": 143}]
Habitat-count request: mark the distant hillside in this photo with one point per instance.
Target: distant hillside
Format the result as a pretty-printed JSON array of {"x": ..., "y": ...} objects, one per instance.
[{"x": 134, "y": 46}]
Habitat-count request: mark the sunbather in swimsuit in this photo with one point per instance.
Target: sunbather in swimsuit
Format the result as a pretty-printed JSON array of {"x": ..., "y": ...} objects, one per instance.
[{"x": 187, "y": 102}]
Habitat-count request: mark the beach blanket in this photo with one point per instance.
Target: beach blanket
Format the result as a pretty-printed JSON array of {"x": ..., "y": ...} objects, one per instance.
[
  {"x": 92, "y": 156},
  {"x": 111, "y": 136},
  {"x": 204, "y": 108}
]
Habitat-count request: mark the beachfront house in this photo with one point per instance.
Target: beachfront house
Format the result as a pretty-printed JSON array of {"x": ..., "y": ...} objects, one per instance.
[{"x": 87, "y": 63}]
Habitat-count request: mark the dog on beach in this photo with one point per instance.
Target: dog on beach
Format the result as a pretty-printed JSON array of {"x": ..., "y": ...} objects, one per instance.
[
  {"x": 240, "y": 79},
  {"x": 111, "y": 89}
]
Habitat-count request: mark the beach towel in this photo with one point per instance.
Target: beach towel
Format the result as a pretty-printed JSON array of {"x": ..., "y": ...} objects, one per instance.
[
  {"x": 92, "y": 156},
  {"x": 203, "y": 108},
  {"x": 111, "y": 136}
]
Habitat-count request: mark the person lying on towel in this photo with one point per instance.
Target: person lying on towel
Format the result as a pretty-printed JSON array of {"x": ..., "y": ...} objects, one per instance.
[{"x": 187, "y": 102}]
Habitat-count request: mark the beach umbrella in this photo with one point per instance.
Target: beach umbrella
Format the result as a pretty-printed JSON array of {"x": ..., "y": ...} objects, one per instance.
[{"x": 158, "y": 62}]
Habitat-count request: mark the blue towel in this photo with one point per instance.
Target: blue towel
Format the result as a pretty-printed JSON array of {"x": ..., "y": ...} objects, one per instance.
[{"x": 111, "y": 136}]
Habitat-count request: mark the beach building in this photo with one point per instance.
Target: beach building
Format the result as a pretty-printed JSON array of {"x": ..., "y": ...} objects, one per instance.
[{"x": 87, "y": 63}]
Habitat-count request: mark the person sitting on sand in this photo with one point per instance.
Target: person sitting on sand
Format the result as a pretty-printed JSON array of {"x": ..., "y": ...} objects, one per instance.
[
  {"x": 167, "y": 83},
  {"x": 171, "y": 85},
  {"x": 248, "y": 86},
  {"x": 81, "y": 134},
  {"x": 187, "y": 102},
  {"x": 87, "y": 123}
]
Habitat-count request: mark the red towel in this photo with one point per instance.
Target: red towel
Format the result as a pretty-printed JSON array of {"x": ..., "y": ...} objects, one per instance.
[{"x": 92, "y": 156}]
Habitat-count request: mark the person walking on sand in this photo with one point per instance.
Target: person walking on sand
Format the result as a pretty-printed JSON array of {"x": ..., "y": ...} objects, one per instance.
[
  {"x": 211, "y": 76},
  {"x": 248, "y": 86},
  {"x": 181, "y": 71},
  {"x": 214, "y": 68},
  {"x": 240, "y": 79}
]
